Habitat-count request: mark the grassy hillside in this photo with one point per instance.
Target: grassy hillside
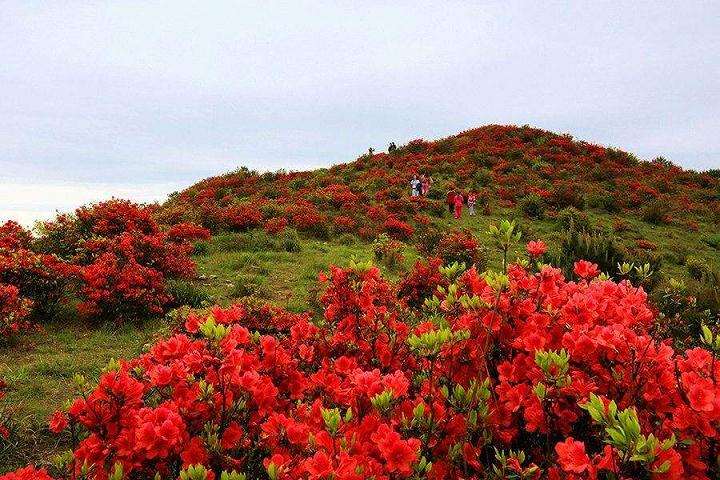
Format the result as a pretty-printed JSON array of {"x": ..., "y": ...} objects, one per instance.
[
  {"x": 549, "y": 184},
  {"x": 655, "y": 210}
]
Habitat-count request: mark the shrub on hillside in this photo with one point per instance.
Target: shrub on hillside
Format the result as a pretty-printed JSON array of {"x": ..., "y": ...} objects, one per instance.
[
  {"x": 422, "y": 282},
  {"x": 698, "y": 268},
  {"x": 14, "y": 311},
  {"x": 42, "y": 278},
  {"x": 570, "y": 218},
  {"x": 460, "y": 246},
  {"x": 525, "y": 374},
  {"x": 657, "y": 211},
  {"x": 713, "y": 240},
  {"x": 397, "y": 229},
  {"x": 532, "y": 206},
  {"x": 388, "y": 251},
  {"x": 567, "y": 194},
  {"x": 123, "y": 257},
  {"x": 276, "y": 225},
  {"x": 241, "y": 217}
]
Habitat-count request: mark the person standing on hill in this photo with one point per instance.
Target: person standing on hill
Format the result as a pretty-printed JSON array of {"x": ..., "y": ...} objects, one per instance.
[
  {"x": 458, "y": 204},
  {"x": 426, "y": 181},
  {"x": 472, "y": 198},
  {"x": 451, "y": 200},
  {"x": 415, "y": 186}
]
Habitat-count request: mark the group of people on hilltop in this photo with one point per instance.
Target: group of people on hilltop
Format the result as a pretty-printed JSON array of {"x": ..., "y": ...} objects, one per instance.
[
  {"x": 456, "y": 200},
  {"x": 420, "y": 185}
]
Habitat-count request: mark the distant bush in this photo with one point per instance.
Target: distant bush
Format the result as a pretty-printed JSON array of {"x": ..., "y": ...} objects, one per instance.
[
  {"x": 713, "y": 240},
  {"x": 201, "y": 248},
  {"x": 398, "y": 229},
  {"x": 657, "y": 211},
  {"x": 249, "y": 285},
  {"x": 698, "y": 268},
  {"x": 428, "y": 241},
  {"x": 290, "y": 241},
  {"x": 570, "y": 218},
  {"x": 460, "y": 246},
  {"x": 388, "y": 251},
  {"x": 533, "y": 206},
  {"x": 603, "y": 201},
  {"x": 567, "y": 194},
  {"x": 347, "y": 239}
]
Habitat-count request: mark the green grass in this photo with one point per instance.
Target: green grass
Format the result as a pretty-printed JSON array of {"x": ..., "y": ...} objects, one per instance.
[
  {"x": 287, "y": 276},
  {"x": 39, "y": 370}
]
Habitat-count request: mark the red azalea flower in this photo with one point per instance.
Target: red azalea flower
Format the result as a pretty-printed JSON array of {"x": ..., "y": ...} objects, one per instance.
[
  {"x": 536, "y": 248},
  {"x": 572, "y": 456},
  {"x": 58, "y": 422},
  {"x": 585, "y": 269}
]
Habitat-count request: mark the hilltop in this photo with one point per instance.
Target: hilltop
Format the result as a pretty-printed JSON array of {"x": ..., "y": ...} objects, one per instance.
[{"x": 552, "y": 184}]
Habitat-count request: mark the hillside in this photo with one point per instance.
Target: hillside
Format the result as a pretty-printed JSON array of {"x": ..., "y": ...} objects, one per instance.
[
  {"x": 273, "y": 233},
  {"x": 657, "y": 211}
]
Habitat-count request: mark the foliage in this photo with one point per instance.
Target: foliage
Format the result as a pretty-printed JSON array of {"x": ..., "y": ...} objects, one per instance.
[{"x": 533, "y": 206}]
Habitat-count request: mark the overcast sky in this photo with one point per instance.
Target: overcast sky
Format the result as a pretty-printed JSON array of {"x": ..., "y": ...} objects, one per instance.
[{"x": 139, "y": 98}]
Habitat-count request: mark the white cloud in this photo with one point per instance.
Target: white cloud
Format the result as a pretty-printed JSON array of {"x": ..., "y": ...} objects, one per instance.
[{"x": 28, "y": 202}]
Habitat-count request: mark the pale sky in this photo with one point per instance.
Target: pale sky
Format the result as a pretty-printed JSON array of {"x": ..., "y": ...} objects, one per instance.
[{"x": 140, "y": 98}]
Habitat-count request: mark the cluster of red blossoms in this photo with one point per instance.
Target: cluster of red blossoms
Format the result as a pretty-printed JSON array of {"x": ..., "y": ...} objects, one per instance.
[
  {"x": 29, "y": 280},
  {"x": 124, "y": 256},
  {"x": 113, "y": 256},
  {"x": 522, "y": 374},
  {"x": 13, "y": 311}
]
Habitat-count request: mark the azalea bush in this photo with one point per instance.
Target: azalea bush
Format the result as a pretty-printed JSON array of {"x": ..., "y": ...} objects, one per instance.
[
  {"x": 33, "y": 282},
  {"x": 388, "y": 251},
  {"x": 14, "y": 311},
  {"x": 122, "y": 256},
  {"x": 452, "y": 373}
]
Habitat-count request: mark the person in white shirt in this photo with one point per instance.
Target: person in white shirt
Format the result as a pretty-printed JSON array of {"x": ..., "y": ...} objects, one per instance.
[{"x": 415, "y": 186}]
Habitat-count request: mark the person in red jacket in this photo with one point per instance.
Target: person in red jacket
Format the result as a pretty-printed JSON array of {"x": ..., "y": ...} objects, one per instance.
[
  {"x": 451, "y": 200},
  {"x": 458, "y": 204}
]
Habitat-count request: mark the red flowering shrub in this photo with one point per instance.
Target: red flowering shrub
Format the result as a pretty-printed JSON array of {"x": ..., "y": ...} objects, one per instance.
[
  {"x": 13, "y": 311},
  {"x": 181, "y": 232},
  {"x": 13, "y": 236},
  {"x": 344, "y": 224},
  {"x": 459, "y": 246},
  {"x": 388, "y": 251},
  {"x": 123, "y": 256},
  {"x": 646, "y": 244},
  {"x": 42, "y": 279},
  {"x": 241, "y": 217},
  {"x": 276, "y": 225},
  {"x": 527, "y": 375},
  {"x": 397, "y": 229},
  {"x": 422, "y": 282}
]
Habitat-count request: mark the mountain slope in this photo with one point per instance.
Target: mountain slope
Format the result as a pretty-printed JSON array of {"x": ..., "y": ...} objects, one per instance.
[{"x": 657, "y": 211}]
